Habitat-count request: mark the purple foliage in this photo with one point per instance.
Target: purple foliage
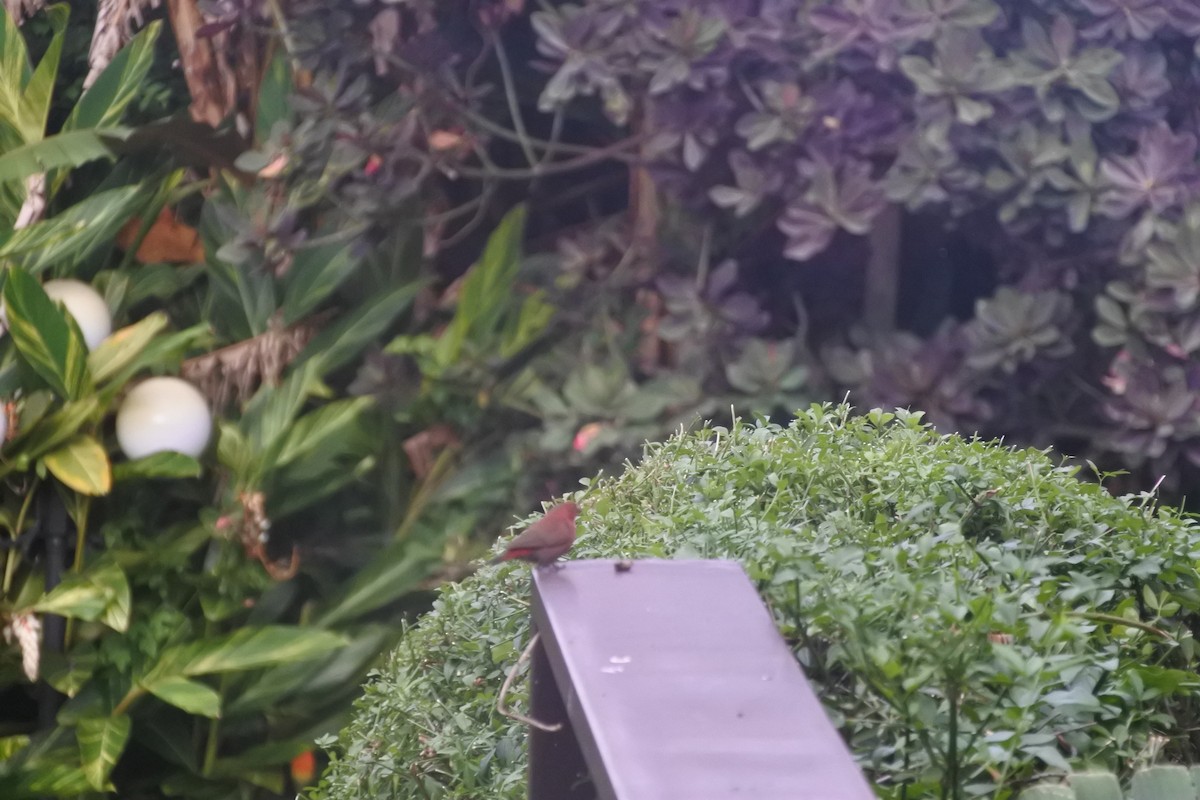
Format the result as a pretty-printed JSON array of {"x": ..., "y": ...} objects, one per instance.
[{"x": 1071, "y": 125}]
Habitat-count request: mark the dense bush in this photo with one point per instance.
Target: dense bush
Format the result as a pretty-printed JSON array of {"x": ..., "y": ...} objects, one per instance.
[{"x": 974, "y": 617}]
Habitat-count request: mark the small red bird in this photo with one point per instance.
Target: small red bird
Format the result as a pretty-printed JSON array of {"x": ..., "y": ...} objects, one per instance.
[{"x": 545, "y": 540}]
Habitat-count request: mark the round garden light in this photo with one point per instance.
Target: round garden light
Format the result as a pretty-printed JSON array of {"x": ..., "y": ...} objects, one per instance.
[
  {"x": 163, "y": 414},
  {"x": 84, "y": 304}
]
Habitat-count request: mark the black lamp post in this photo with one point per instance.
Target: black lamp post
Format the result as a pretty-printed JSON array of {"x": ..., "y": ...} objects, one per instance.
[{"x": 53, "y": 526}]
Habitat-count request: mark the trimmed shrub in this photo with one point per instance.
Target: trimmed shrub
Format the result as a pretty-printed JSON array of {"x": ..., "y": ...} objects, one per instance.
[{"x": 973, "y": 617}]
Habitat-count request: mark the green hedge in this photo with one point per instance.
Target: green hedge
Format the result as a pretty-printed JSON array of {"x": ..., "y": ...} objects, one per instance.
[{"x": 974, "y": 617}]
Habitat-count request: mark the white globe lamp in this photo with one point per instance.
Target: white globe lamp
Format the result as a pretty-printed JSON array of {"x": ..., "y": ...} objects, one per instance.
[
  {"x": 84, "y": 304},
  {"x": 163, "y": 414}
]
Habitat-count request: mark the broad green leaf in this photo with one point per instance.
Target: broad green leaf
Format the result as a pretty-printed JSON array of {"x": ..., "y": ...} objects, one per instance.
[
  {"x": 69, "y": 672},
  {"x": 45, "y": 339},
  {"x": 341, "y": 341},
  {"x": 234, "y": 451},
  {"x": 99, "y": 594},
  {"x": 124, "y": 346},
  {"x": 244, "y": 293},
  {"x": 167, "y": 464},
  {"x": 1048, "y": 791},
  {"x": 318, "y": 679},
  {"x": 9, "y": 745},
  {"x": 315, "y": 432},
  {"x": 1162, "y": 783},
  {"x": 36, "y": 95},
  {"x": 248, "y": 648},
  {"x": 69, "y": 149},
  {"x": 14, "y": 66},
  {"x": 164, "y": 353},
  {"x": 82, "y": 465},
  {"x": 486, "y": 289},
  {"x": 533, "y": 318},
  {"x": 1096, "y": 786},
  {"x": 315, "y": 273},
  {"x": 48, "y": 433},
  {"x": 54, "y": 780},
  {"x": 271, "y": 753},
  {"x": 395, "y": 572},
  {"x": 104, "y": 103},
  {"x": 101, "y": 742},
  {"x": 72, "y": 235},
  {"x": 273, "y": 94},
  {"x": 273, "y": 409},
  {"x": 191, "y": 696}
]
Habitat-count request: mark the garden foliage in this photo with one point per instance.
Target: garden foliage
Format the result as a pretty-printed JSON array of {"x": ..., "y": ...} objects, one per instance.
[
  {"x": 973, "y": 617},
  {"x": 218, "y": 610},
  {"x": 1152, "y": 783},
  {"x": 1059, "y": 136},
  {"x": 1041, "y": 156}
]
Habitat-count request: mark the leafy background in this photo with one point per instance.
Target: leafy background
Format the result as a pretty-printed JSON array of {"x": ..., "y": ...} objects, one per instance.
[
  {"x": 432, "y": 263},
  {"x": 1046, "y": 623}
]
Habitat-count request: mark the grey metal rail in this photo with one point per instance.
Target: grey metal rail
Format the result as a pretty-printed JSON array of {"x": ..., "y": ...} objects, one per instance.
[{"x": 672, "y": 683}]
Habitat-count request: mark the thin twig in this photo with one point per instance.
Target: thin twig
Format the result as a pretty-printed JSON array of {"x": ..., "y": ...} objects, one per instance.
[
  {"x": 1113, "y": 619},
  {"x": 502, "y": 132},
  {"x": 510, "y": 96},
  {"x": 508, "y": 712},
  {"x": 613, "y": 152}
]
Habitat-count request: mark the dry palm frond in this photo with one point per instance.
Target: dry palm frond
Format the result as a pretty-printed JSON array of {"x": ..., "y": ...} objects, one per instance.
[
  {"x": 234, "y": 373},
  {"x": 35, "y": 201},
  {"x": 21, "y": 10},
  {"x": 116, "y": 21}
]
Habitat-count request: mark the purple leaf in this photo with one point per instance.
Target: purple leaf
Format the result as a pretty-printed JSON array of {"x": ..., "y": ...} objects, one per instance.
[
  {"x": 1161, "y": 174},
  {"x": 809, "y": 230}
]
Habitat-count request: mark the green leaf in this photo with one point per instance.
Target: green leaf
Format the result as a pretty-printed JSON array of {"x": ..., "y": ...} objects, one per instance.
[
  {"x": 341, "y": 341},
  {"x": 1162, "y": 783},
  {"x": 248, "y": 648},
  {"x": 70, "y": 149},
  {"x": 315, "y": 273},
  {"x": 82, "y": 465},
  {"x": 14, "y": 67},
  {"x": 167, "y": 464},
  {"x": 36, "y": 94},
  {"x": 486, "y": 289},
  {"x": 70, "y": 671},
  {"x": 1048, "y": 791},
  {"x": 1096, "y": 786},
  {"x": 273, "y": 93},
  {"x": 321, "y": 430},
  {"x": 100, "y": 594},
  {"x": 72, "y": 235},
  {"x": 101, "y": 742},
  {"x": 319, "y": 679},
  {"x": 124, "y": 346},
  {"x": 273, "y": 409},
  {"x": 104, "y": 103},
  {"x": 165, "y": 353},
  {"x": 399, "y": 569},
  {"x": 48, "y": 343},
  {"x": 192, "y": 696},
  {"x": 50, "y": 432}
]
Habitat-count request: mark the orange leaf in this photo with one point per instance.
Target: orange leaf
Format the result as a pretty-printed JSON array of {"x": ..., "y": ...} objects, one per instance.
[
  {"x": 304, "y": 767},
  {"x": 168, "y": 240}
]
